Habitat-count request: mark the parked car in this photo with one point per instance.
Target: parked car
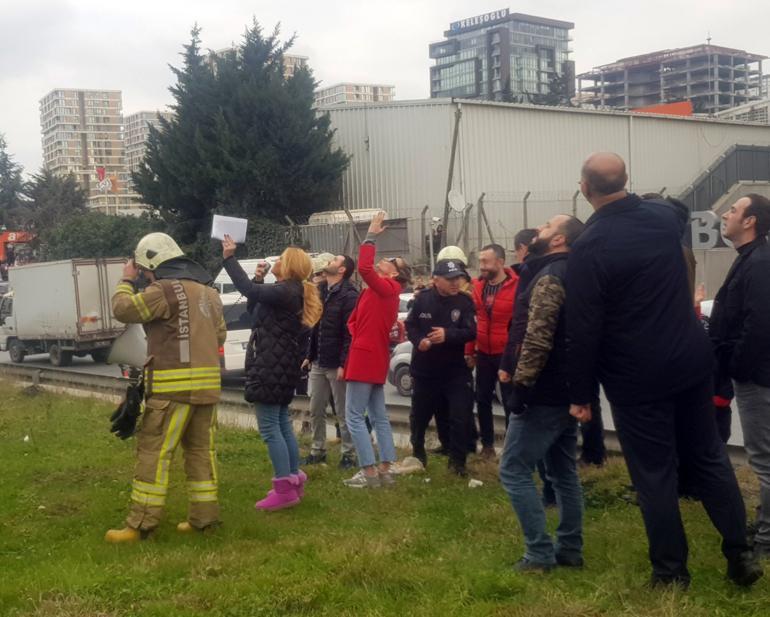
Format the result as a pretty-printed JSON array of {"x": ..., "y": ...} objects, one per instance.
[
  {"x": 405, "y": 301},
  {"x": 398, "y": 331},
  {"x": 398, "y": 373},
  {"x": 400, "y": 376},
  {"x": 232, "y": 355}
]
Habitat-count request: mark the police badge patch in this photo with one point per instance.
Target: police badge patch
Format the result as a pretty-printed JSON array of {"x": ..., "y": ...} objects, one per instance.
[{"x": 455, "y": 315}]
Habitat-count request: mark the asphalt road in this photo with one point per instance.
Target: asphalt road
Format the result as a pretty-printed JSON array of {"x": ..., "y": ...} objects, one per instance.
[{"x": 86, "y": 365}]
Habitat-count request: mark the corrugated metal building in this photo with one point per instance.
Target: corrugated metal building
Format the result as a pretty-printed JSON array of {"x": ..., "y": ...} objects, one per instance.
[{"x": 401, "y": 154}]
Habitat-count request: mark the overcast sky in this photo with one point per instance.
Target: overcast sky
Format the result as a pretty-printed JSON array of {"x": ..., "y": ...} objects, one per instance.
[{"x": 47, "y": 44}]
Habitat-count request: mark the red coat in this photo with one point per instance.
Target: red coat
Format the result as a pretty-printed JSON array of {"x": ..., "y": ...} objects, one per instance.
[
  {"x": 492, "y": 335},
  {"x": 371, "y": 322}
]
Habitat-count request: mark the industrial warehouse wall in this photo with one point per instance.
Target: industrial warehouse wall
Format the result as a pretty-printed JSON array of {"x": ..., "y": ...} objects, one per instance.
[{"x": 401, "y": 151}]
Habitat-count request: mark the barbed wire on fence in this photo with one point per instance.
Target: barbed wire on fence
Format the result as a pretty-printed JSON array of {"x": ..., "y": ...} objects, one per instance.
[{"x": 506, "y": 214}]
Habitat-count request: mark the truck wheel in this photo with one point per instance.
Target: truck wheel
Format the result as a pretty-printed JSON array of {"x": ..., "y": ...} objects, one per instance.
[
  {"x": 17, "y": 351},
  {"x": 59, "y": 357},
  {"x": 100, "y": 355},
  {"x": 403, "y": 380}
]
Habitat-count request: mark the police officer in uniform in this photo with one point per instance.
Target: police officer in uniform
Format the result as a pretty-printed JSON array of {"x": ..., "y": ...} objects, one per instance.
[
  {"x": 441, "y": 321},
  {"x": 182, "y": 317}
]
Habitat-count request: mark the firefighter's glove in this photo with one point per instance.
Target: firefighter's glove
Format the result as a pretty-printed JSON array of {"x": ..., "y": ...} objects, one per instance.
[{"x": 125, "y": 416}]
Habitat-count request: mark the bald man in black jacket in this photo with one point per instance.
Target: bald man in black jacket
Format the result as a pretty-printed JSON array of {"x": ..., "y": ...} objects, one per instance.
[{"x": 631, "y": 324}]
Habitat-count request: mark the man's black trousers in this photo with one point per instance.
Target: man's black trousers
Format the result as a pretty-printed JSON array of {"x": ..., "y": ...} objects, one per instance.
[
  {"x": 593, "y": 450},
  {"x": 447, "y": 397},
  {"x": 486, "y": 380},
  {"x": 655, "y": 437}
]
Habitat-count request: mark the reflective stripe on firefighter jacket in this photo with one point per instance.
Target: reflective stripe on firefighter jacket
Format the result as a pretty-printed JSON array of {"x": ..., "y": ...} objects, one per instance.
[{"x": 185, "y": 326}]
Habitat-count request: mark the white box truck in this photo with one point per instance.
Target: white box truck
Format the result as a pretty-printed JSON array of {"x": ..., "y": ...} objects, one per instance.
[{"x": 61, "y": 308}]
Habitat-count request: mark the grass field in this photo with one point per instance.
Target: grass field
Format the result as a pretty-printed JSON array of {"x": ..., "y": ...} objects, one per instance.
[{"x": 421, "y": 548}]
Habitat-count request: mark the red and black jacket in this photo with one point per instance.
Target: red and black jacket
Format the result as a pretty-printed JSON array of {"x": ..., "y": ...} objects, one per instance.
[{"x": 492, "y": 333}]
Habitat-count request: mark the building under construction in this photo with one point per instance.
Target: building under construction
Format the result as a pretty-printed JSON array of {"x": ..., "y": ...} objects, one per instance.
[{"x": 713, "y": 78}]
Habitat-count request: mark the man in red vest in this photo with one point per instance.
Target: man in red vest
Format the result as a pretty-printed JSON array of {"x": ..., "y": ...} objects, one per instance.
[{"x": 494, "y": 294}]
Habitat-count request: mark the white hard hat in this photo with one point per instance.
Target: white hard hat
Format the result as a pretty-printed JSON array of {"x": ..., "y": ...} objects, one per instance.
[
  {"x": 155, "y": 249},
  {"x": 321, "y": 260},
  {"x": 452, "y": 252}
]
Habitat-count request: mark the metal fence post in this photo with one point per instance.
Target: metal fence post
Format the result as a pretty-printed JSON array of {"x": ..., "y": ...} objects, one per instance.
[
  {"x": 422, "y": 230},
  {"x": 524, "y": 204}
]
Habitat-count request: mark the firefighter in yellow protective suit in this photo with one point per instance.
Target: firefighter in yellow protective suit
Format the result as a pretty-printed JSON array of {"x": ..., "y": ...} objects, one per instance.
[{"x": 184, "y": 324}]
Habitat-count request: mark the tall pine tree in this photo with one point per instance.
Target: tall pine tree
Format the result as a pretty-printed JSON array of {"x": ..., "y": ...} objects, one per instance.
[
  {"x": 51, "y": 199},
  {"x": 245, "y": 141},
  {"x": 11, "y": 188}
]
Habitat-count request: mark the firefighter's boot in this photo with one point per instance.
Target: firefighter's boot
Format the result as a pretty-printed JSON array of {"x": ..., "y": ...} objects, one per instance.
[{"x": 127, "y": 535}]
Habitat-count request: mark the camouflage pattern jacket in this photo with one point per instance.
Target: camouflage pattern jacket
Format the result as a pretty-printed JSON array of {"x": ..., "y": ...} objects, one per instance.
[{"x": 537, "y": 357}]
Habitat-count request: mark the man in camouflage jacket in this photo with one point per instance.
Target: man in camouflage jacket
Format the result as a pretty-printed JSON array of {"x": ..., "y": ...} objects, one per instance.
[{"x": 541, "y": 426}]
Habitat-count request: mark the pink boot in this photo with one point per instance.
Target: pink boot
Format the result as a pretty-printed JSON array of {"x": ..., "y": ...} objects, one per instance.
[
  {"x": 301, "y": 478},
  {"x": 283, "y": 495},
  {"x": 298, "y": 479}
]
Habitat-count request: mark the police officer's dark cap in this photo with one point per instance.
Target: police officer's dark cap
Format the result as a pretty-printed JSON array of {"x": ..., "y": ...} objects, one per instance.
[{"x": 450, "y": 269}]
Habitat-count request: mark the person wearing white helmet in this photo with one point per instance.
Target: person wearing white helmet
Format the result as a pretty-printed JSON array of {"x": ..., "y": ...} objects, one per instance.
[
  {"x": 183, "y": 320},
  {"x": 454, "y": 253}
]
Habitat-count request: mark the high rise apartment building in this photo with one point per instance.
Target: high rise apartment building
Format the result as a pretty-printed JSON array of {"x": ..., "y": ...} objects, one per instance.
[
  {"x": 501, "y": 56},
  {"x": 291, "y": 62},
  {"x": 711, "y": 77},
  {"x": 136, "y": 134},
  {"x": 342, "y": 94},
  {"x": 82, "y": 134}
]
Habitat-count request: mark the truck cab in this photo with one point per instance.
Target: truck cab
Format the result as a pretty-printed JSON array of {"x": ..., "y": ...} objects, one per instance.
[{"x": 8, "y": 340}]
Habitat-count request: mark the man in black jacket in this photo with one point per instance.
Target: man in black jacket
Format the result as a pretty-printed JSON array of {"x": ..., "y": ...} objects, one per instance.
[
  {"x": 329, "y": 344},
  {"x": 439, "y": 324},
  {"x": 541, "y": 427},
  {"x": 631, "y": 324},
  {"x": 740, "y": 330}
]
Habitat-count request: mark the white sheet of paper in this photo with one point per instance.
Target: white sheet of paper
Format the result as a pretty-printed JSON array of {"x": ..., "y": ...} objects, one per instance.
[{"x": 233, "y": 227}]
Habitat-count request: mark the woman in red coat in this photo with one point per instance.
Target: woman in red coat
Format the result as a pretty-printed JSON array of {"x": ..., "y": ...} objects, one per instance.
[{"x": 366, "y": 367}]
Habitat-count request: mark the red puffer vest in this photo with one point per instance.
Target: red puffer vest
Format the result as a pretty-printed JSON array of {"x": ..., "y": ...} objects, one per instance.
[{"x": 492, "y": 334}]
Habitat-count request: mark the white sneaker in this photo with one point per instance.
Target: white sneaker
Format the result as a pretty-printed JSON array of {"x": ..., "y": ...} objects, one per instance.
[
  {"x": 409, "y": 465},
  {"x": 361, "y": 480}
]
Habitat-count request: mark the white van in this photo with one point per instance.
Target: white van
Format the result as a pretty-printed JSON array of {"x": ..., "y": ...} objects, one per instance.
[{"x": 238, "y": 321}]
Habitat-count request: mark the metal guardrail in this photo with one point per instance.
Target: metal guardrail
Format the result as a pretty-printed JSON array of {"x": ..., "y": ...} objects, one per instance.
[
  {"x": 738, "y": 163},
  {"x": 232, "y": 400}
]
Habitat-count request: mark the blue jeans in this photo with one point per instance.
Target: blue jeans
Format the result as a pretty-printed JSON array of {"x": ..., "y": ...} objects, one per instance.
[
  {"x": 368, "y": 397},
  {"x": 547, "y": 433},
  {"x": 277, "y": 432}
]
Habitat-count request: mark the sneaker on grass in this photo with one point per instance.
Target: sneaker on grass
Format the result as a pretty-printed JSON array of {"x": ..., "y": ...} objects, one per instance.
[{"x": 361, "y": 480}]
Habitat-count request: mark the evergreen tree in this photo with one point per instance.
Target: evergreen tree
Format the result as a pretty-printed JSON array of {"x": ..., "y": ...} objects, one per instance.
[
  {"x": 51, "y": 199},
  {"x": 244, "y": 141},
  {"x": 11, "y": 188},
  {"x": 558, "y": 92},
  {"x": 95, "y": 234}
]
